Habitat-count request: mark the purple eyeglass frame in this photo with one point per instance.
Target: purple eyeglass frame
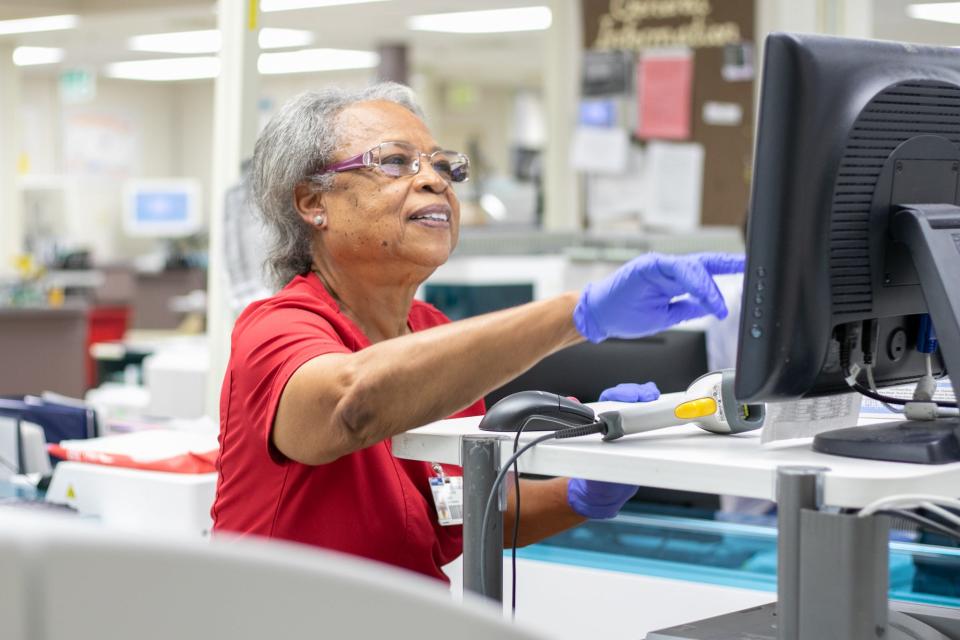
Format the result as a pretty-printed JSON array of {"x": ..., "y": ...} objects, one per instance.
[{"x": 365, "y": 159}]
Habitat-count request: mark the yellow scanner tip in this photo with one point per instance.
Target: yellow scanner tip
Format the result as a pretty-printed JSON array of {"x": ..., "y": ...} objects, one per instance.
[{"x": 696, "y": 409}]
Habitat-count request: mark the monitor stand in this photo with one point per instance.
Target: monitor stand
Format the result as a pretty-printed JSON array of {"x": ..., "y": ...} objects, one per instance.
[
  {"x": 921, "y": 442},
  {"x": 932, "y": 234}
]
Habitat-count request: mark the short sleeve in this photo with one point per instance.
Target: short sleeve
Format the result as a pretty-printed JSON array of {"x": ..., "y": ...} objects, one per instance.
[{"x": 268, "y": 347}]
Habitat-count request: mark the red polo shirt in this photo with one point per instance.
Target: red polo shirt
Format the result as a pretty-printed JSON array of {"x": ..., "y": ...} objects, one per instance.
[{"x": 367, "y": 503}]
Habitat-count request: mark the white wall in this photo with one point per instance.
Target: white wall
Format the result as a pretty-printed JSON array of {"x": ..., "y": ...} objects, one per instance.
[
  {"x": 173, "y": 125},
  {"x": 92, "y": 212}
]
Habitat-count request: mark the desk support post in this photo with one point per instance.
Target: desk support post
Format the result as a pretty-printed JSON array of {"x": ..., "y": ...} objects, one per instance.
[
  {"x": 480, "y": 457},
  {"x": 797, "y": 489}
]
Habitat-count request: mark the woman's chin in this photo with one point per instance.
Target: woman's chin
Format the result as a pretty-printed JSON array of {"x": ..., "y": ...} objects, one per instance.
[{"x": 431, "y": 257}]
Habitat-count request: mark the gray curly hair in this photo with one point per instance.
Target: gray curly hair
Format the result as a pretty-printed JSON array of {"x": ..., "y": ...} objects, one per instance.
[{"x": 300, "y": 139}]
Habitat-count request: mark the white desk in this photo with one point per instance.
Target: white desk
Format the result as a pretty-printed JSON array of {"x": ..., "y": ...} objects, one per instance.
[
  {"x": 690, "y": 459},
  {"x": 684, "y": 458}
]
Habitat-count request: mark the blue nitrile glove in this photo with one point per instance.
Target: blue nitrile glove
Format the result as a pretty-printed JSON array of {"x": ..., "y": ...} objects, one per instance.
[
  {"x": 640, "y": 298},
  {"x": 596, "y": 499}
]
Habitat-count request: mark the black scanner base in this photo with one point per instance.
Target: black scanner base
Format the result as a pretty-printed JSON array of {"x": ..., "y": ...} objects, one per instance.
[{"x": 919, "y": 442}]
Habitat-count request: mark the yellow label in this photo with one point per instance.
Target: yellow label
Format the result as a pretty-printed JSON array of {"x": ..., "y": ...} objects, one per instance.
[
  {"x": 71, "y": 494},
  {"x": 696, "y": 409}
]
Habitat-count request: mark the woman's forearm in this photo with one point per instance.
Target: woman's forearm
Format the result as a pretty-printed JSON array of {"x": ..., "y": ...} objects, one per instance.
[
  {"x": 544, "y": 511},
  {"x": 335, "y": 405}
]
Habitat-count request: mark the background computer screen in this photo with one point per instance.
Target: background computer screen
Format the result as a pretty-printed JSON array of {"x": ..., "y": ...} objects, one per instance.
[{"x": 161, "y": 208}]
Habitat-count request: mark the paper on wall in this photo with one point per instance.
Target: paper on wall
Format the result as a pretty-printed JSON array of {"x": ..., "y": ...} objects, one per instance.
[
  {"x": 599, "y": 149},
  {"x": 664, "y": 94},
  {"x": 674, "y": 185},
  {"x": 612, "y": 197},
  {"x": 722, "y": 114},
  {"x": 810, "y": 416}
]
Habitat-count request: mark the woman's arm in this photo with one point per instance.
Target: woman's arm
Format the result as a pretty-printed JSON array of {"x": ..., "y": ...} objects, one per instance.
[
  {"x": 338, "y": 403},
  {"x": 544, "y": 511}
]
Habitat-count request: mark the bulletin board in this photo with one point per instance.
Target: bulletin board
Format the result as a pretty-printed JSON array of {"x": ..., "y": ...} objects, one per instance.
[{"x": 719, "y": 34}]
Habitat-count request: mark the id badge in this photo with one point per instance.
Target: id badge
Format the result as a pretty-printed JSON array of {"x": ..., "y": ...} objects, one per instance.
[{"x": 447, "y": 497}]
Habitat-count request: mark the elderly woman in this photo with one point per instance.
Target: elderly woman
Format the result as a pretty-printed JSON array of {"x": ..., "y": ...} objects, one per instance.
[{"x": 360, "y": 198}]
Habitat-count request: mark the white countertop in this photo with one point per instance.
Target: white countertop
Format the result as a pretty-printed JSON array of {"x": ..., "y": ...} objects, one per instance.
[{"x": 688, "y": 458}]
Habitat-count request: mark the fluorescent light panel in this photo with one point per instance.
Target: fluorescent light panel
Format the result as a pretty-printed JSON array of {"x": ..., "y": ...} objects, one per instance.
[
  {"x": 31, "y": 25},
  {"x": 271, "y": 38},
  {"x": 166, "y": 69},
  {"x": 208, "y": 40},
  {"x": 268, "y": 6},
  {"x": 490, "y": 21},
  {"x": 308, "y": 60},
  {"x": 28, "y": 56},
  {"x": 302, "y": 61},
  {"x": 936, "y": 11}
]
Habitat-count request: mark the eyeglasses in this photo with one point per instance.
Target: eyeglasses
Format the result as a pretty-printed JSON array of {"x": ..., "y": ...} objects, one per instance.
[{"x": 401, "y": 159}]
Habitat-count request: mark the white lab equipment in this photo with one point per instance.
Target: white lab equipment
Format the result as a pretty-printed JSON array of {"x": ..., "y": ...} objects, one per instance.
[
  {"x": 176, "y": 378},
  {"x": 63, "y": 580},
  {"x": 137, "y": 499}
]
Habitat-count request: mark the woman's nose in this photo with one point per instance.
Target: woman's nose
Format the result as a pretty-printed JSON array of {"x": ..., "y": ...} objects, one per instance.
[{"x": 430, "y": 178}]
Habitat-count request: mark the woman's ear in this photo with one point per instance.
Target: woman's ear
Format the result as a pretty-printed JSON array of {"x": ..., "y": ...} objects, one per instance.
[{"x": 308, "y": 202}]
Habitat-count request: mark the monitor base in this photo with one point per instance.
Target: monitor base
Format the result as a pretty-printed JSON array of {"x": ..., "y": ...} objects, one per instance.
[{"x": 920, "y": 442}]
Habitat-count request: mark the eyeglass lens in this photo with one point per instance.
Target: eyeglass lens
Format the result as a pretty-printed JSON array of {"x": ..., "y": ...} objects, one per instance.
[{"x": 398, "y": 159}]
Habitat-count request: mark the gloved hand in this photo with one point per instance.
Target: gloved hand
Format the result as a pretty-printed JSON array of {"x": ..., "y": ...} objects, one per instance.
[
  {"x": 596, "y": 499},
  {"x": 639, "y": 298}
]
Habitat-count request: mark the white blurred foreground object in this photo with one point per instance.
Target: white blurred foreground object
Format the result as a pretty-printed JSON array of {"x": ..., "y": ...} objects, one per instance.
[{"x": 60, "y": 580}]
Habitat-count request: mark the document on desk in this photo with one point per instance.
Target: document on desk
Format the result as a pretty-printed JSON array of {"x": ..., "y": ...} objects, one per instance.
[{"x": 810, "y": 416}]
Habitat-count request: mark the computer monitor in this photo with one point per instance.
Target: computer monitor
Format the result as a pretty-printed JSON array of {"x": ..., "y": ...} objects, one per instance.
[
  {"x": 161, "y": 208},
  {"x": 854, "y": 231}
]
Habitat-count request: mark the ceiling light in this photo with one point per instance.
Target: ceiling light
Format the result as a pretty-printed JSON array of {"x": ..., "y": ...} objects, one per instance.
[
  {"x": 271, "y": 38},
  {"x": 307, "y": 60},
  {"x": 491, "y": 21},
  {"x": 27, "y": 56},
  {"x": 289, "y": 5},
  {"x": 166, "y": 69},
  {"x": 46, "y": 23},
  {"x": 936, "y": 11},
  {"x": 208, "y": 41}
]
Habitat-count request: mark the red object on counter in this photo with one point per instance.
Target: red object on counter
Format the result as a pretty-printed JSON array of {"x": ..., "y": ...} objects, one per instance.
[
  {"x": 104, "y": 324},
  {"x": 189, "y": 462}
]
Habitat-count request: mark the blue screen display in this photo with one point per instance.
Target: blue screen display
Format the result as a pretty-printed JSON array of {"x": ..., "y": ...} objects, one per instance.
[{"x": 162, "y": 206}]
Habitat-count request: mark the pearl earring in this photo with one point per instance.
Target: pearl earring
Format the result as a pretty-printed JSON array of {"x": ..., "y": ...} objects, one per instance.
[{"x": 319, "y": 220}]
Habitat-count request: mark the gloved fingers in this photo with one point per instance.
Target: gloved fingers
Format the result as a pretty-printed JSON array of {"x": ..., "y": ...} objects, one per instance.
[
  {"x": 722, "y": 263},
  {"x": 595, "y": 499},
  {"x": 631, "y": 392},
  {"x": 600, "y": 493},
  {"x": 698, "y": 282},
  {"x": 686, "y": 309},
  {"x": 686, "y": 275}
]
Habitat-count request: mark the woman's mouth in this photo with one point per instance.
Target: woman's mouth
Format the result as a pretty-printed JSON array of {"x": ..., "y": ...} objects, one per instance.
[{"x": 435, "y": 216}]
